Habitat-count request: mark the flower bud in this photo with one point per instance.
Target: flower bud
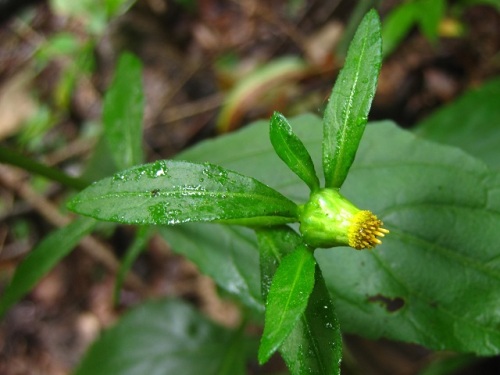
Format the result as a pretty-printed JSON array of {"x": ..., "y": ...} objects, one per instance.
[{"x": 328, "y": 219}]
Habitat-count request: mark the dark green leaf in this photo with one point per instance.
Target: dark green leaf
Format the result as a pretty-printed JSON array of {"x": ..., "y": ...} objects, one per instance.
[
  {"x": 315, "y": 344},
  {"x": 138, "y": 245},
  {"x": 347, "y": 111},
  {"x": 441, "y": 206},
  {"x": 123, "y": 112},
  {"x": 287, "y": 299},
  {"x": 471, "y": 123},
  {"x": 291, "y": 150},
  {"x": 43, "y": 258},
  {"x": 174, "y": 192},
  {"x": 229, "y": 257},
  {"x": 165, "y": 337}
]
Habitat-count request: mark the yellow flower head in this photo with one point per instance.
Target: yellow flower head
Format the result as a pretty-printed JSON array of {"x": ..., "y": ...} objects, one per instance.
[{"x": 364, "y": 229}]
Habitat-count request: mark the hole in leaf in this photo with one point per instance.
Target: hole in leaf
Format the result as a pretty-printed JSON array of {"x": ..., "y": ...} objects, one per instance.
[{"x": 390, "y": 304}]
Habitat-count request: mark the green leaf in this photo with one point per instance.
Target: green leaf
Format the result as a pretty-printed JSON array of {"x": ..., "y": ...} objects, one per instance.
[
  {"x": 397, "y": 25},
  {"x": 123, "y": 112},
  {"x": 315, "y": 344},
  {"x": 229, "y": 258},
  {"x": 173, "y": 192},
  {"x": 274, "y": 244},
  {"x": 287, "y": 299},
  {"x": 42, "y": 259},
  {"x": 138, "y": 245},
  {"x": 430, "y": 14},
  {"x": 441, "y": 206},
  {"x": 291, "y": 150},
  {"x": 471, "y": 123},
  {"x": 59, "y": 45},
  {"x": 115, "y": 7},
  {"x": 347, "y": 111},
  {"x": 165, "y": 337}
]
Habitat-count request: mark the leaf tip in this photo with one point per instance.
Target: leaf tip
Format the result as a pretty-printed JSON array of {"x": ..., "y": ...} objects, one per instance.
[{"x": 264, "y": 354}]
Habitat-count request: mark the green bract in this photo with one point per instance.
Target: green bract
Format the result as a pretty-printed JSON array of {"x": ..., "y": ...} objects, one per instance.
[{"x": 328, "y": 219}]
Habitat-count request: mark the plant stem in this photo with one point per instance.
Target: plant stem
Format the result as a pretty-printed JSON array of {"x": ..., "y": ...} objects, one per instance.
[{"x": 14, "y": 158}]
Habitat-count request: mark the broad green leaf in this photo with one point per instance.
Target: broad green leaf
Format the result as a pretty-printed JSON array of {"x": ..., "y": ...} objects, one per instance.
[
  {"x": 472, "y": 123},
  {"x": 173, "y": 192},
  {"x": 287, "y": 299},
  {"x": 347, "y": 111},
  {"x": 492, "y": 184},
  {"x": 422, "y": 284},
  {"x": 440, "y": 205},
  {"x": 229, "y": 257},
  {"x": 123, "y": 111},
  {"x": 396, "y": 26},
  {"x": 315, "y": 344},
  {"x": 42, "y": 259},
  {"x": 135, "y": 249},
  {"x": 292, "y": 151},
  {"x": 165, "y": 337}
]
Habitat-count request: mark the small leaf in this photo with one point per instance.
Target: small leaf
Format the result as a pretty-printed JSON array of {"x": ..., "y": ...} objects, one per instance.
[
  {"x": 142, "y": 236},
  {"x": 315, "y": 344},
  {"x": 292, "y": 151},
  {"x": 173, "y": 192},
  {"x": 347, "y": 111},
  {"x": 123, "y": 112},
  {"x": 165, "y": 337},
  {"x": 287, "y": 299},
  {"x": 43, "y": 258}
]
